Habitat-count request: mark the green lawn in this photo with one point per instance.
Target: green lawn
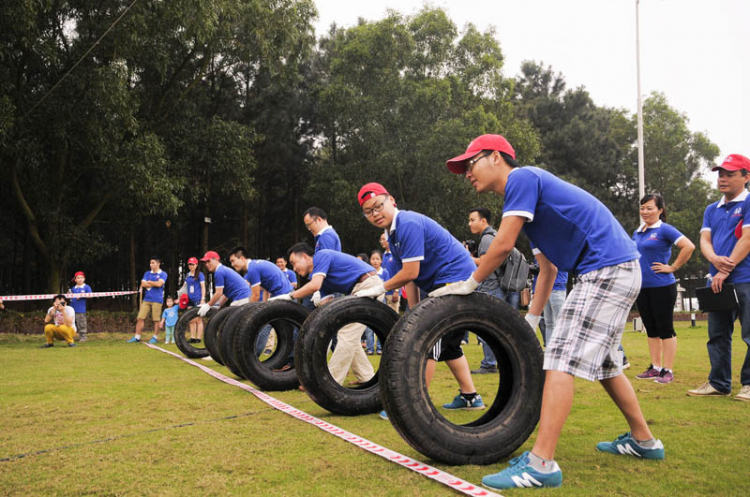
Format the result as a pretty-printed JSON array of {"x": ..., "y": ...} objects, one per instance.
[{"x": 108, "y": 415}]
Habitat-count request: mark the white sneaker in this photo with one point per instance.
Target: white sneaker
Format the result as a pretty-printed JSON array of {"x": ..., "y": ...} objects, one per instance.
[
  {"x": 707, "y": 390},
  {"x": 744, "y": 394}
]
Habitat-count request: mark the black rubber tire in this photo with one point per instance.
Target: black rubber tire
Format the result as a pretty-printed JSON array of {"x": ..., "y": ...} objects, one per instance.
[
  {"x": 226, "y": 337},
  {"x": 311, "y": 362},
  {"x": 180, "y": 335},
  {"x": 212, "y": 331},
  {"x": 284, "y": 317},
  {"x": 511, "y": 418}
]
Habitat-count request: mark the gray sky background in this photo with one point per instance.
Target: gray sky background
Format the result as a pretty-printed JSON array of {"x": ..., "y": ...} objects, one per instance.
[{"x": 696, "y": 52}]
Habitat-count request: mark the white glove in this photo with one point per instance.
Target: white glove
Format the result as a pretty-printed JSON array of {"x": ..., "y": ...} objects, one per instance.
[
  {"x": 460, "y": 288},
  {"x": 203, "y": 310},
  {"x": 533, "y": 321},
  {"x": 373, "y": 292},
  {"x": 286, "y": 296},
  {"x": 316, "y": 299}
]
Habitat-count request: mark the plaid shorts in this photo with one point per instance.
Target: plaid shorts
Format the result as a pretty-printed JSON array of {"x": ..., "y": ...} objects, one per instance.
[{"x": 589, "y": 327}]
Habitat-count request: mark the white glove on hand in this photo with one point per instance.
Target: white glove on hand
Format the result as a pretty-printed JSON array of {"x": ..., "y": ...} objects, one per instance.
[
  {"x": 316, "y": 298},
  {"x": 373, "y": 292},
  {"x": 460, "y": 288},
  {"x": 203, "y": 310},
  {"x": 286, "y": 296},
  {"x": 533, "y": 321}
]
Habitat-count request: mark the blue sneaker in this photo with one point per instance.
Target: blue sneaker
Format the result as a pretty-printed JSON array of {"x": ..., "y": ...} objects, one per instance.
[
  {"x": 520, "y": 475},
  {"x": 133, "y": 340},
  {"x": 460, "y": 402},
  {"x": 153, "y": 340},
  {"x": 383, "y": 415},
  {"x": 625, "y": 444}
]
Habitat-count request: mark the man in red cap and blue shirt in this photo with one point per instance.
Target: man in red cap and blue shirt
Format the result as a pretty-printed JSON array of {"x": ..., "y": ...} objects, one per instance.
[
  {"x": 426, "y": 256},
  {"x": 571, "y": 230},
  {"x": 725, "y": 242},
  {"x": 228, "y": 283}
]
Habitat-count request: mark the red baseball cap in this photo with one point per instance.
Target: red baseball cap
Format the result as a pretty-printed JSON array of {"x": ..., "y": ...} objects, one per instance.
[
  {"x": 734, "y": 162},
  {"x": 184, "y": 301},
  {"x": 210, "y": 255},
  {"x": 371, "y": 190},
  {"x": 192, "y": 260},
  {"x": 79, "y": 273},
  {"x": 457, "y": 165}
]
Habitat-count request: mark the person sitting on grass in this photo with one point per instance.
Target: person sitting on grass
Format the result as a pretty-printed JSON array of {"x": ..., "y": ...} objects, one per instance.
[
  {"x": 65, "y": 323},
  {"x": 169, "y": 319}
]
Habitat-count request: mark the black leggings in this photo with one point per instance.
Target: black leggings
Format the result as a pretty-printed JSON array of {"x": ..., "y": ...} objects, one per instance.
[{"x": 656, "y": 306}]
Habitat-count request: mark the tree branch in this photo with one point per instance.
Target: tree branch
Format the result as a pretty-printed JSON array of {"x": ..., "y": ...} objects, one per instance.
[{"x": 28, "y": 213}]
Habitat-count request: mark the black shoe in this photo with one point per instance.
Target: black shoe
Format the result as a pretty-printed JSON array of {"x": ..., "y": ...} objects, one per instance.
[
  {"x": 47, "y": 345},
  {"x": 483, "y": 370}
]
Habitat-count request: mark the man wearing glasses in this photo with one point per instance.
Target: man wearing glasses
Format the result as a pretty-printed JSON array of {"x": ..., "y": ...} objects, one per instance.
[
  {"x": 571, "y": 230},
  {"x": 427, "y": 256},
  {"x": 316, "y": 222}
]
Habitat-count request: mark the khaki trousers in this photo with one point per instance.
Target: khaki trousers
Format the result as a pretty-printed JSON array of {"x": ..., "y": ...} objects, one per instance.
[
  {"x": 61, "y": 332},
  {"x": 349, "y": 352}
]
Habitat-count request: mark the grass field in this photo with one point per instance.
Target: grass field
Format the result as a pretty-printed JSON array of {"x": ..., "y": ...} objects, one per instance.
[{"x": 116, "y": 418}]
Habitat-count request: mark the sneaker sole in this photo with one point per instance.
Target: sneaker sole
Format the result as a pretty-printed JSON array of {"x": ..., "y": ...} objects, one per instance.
[
  {"x": 742, "y": 399},
  {"x": 717, "y": 394},
  {"x": 464, "y": 408}
]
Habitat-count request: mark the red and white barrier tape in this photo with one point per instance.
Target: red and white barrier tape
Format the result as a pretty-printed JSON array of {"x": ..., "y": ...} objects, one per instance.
[
  {"x": 447, "y": 479},
  {"x": 50, "y": 296}
]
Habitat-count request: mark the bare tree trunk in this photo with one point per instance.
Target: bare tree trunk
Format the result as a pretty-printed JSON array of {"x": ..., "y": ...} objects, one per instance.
[
  {"x": 27, "y": 263},
  {"x": 133, "y": 282}
]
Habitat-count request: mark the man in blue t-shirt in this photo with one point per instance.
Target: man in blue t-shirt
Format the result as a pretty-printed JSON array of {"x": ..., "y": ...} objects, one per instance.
[
  {"x": 316, "y": 221},
  {"x": 152, "y": 288},
  {"x": 389, "y": 263},
  {"x": 426, "y": 257},
  {"x": 228, "y": 283},
  {"x": 573, "y": 231},
  {"x": 79, "y": 304},
  {"x": 725, "y": 242},
  {"x": 332, "y": 272},
  {"x": 281, "y": 264}
]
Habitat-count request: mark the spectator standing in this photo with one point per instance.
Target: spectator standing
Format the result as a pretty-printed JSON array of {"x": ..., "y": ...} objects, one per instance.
[
  {"x": 654, "y": 239},
  {"x": 169, "y": 319},
  {"x": 65, "y": 323},
  {"x": 195, "y": 282},
  {"x": 376, "y": 261},
  {"x": 79, "y": 304},
  {"x": 281, "y": 263},
  {"x": 725, "y": 242},
  {"x": 389, "y": 264},
  {"x": 152, "y": 284}
]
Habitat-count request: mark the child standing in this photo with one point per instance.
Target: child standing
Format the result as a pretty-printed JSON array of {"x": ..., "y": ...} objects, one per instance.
[
  {"x": 169, "y": 319},
  {"x": 79, "y": 305}
]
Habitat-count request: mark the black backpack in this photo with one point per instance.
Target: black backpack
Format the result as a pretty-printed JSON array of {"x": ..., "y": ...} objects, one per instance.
[{"x": 512, "y": 274}]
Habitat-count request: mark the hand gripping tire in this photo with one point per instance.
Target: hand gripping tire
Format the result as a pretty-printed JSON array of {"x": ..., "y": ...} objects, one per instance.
[
  {"x": 212, "y": 331},
  {"x": 312, "y": 350},
  {"x": 515, "y": 411},
  {"x": 226, "y": 337},
  {"x": 284, "y": 317},
  {"x": 180, "y": 335}
]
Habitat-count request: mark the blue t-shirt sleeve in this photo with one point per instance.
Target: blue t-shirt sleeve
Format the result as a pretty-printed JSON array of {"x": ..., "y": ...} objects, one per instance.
[
  {"x": 219, "y": 279},
  {"x": 321, "y": 264},
  {"x": 521, "y": 194},
  {"x": 163, "y": 276},
  {"x": 707, "y": 219},
  {"x": 412, "y": 241},
  {"x": 145, "y": 276},
  {"x": 252, "y": 276},
  {"x": 201, "y": 277},
  {"x": 292, "y": 277},
  {"x": 672, "y": 234},
  {"x": 164, "y": 314}
]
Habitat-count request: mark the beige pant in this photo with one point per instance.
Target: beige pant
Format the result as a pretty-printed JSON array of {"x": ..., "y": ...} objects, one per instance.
[
  {"x": 349, "y": 353},
  {"x": 391, "y": 304}
]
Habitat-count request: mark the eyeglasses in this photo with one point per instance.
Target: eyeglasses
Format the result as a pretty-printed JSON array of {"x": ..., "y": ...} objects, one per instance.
[
  {"x": 470, "y": 163},
  {"x": 307, "y": 225},
  {"x": 375, "y": 209}
]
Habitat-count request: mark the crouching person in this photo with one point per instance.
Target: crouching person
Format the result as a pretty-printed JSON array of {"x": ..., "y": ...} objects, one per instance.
[{"x": 65, "y": 322}]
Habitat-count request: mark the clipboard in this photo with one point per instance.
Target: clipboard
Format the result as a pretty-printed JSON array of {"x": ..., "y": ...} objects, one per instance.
[{"x": 725, "y": 300}]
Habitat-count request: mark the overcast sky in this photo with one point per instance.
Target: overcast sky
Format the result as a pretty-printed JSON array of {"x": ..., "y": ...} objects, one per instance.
[{"x": 696, "y": 52}]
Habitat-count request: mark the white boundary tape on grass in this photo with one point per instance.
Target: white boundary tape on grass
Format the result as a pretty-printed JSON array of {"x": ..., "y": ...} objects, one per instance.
[
  {"x": 447, "y": 479},
  {"x": 92, "y": 295}
]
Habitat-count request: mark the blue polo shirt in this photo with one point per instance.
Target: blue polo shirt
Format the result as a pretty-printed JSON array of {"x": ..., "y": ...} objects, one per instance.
[
  {"x": 442, "y": 258},
  {"x": 327, "y": 239},
  {"x": 154, "y": 294},
  {"x": 573, "y": 229},
  {"x": 268, "y": 275},
  {"x": 79, "y": 305},
  {"x": 655, "y": 245},
  {"x": 341, "y": 271},
  {"x": 389, "y": 263},
  {"x": 171, "y": 315},
  {"x": 720, "y": 219},
  {"x": 194, "y": 287},
  {"x": 230, "y": 280},
  {"x": 290, "y": 275}
]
